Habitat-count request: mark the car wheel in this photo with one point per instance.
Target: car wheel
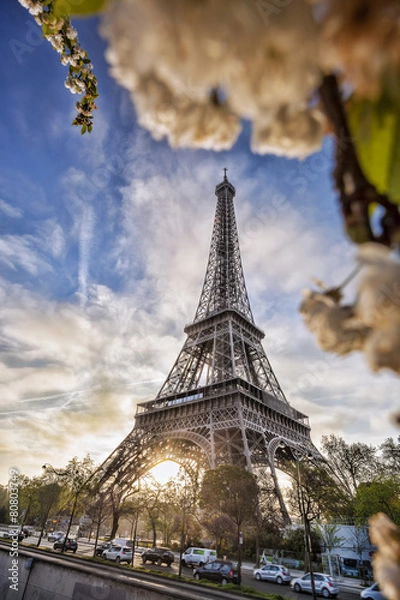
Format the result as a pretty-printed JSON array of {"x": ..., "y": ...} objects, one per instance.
[
  {"x": 224, "y": 581},
  {"x": 117, "y": 560},
  {"x": 297, "y": 588},
  {"x": 201, "y": 564},
  {"x": 183, "y": 563},
  {"x": 326, "y": 593},
  {"x": 159, "y": 562},
  {"x": 196, "y": 576},
  {"x": 144, "y": 559},
  {"x": 279, "y": 580},
  {"x": 258, "y": 576},
  {"x": 75, "y": 551}
]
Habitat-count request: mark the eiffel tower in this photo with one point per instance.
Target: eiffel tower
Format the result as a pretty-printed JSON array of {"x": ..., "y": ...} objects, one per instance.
[{"x": 221, "y": 402}]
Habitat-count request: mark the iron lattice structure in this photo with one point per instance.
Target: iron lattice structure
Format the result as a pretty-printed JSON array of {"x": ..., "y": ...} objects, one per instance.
[{"x": 221, "y": 402}]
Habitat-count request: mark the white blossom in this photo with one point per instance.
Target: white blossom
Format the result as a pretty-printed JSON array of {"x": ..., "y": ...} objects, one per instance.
[
  {"x": 382, "y": 348},
  {"x": 378, "y": 302},
  {"x": 289, "y": 133},
  {"x": 263, "y": 71},
  {"x": 361, "y": 39},
  {"x": 372, "y": 324},
  {"x": 36, "y": 9},
  {"x": 26, "y": 3},
  {"x": 386, "y": 536},
  {"x": 336, "y": 328},
  {"x": 71, "y": 33},
  {"x": 182, "y": 121}
]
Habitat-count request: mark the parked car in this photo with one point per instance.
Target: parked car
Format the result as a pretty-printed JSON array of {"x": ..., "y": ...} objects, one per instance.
[
  {"x": 55, "y": 535},
  {"x": 158, "y": 555},
  {"x": 219, "y": 571},
  {"x": 276, "y": 573},
  {"x": 119, "y": 554},
  {"x": 372, "y": 593},
  {"x": 324, "y": 584},
  {"x": 70, "y": 544},
  {"x": 101, "y": 548}
]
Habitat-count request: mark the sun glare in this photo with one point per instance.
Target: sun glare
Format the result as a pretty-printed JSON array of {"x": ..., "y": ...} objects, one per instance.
[{"x": 165, "y": 471}]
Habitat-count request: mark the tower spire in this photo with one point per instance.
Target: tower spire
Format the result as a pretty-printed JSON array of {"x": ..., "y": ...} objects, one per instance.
[{"x": 224, "y": 285}]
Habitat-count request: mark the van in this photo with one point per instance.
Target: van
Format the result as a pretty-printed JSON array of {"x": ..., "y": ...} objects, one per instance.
[{"x": 197, "y": 557}]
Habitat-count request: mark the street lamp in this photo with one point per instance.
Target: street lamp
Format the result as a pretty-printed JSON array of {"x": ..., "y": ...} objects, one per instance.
[{"x": 307, "y": 537}]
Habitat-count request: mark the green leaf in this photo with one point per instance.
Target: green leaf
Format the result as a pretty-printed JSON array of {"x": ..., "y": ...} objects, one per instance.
[
  {"x": 78, "y": 8},
  {"x": 46, "y": 30},
  {"x": 375, "y": 126}
]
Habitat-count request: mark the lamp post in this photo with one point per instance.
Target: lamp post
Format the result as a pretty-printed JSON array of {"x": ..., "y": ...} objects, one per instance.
[{"x": 307, "y": 537}]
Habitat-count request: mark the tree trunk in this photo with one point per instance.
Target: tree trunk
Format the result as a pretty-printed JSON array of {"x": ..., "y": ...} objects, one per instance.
[{"x": 114, "y": 528}]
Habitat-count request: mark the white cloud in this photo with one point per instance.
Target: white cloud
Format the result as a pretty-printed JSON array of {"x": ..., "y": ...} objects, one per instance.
[
  {"x": 20, "y": 252},
  {"x": 10, "y": 211}
]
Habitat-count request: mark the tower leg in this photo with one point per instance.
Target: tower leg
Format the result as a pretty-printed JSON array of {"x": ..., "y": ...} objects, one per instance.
[
  {"x": 245, "y": 441},
  {"x": 282, "y": 505},
  {"x": 271, "y": 449}
]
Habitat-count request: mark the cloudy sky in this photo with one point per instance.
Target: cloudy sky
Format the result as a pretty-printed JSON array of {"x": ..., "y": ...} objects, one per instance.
[{"x": 104, "y": 241}]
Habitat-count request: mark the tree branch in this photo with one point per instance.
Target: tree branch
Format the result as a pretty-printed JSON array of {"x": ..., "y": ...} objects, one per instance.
[{"x": 356, "y": 193}]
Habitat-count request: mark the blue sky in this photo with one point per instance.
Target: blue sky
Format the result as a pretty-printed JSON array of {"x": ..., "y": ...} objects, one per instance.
[{"x": 104, "y": 242}]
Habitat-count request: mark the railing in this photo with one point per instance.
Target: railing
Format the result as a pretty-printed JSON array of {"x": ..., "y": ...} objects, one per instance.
[{"x": 224, "y": 388}]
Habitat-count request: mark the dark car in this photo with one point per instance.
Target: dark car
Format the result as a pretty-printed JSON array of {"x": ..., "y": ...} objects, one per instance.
[
  {"x": 158, "y": 556},
  {"x": 101, "y": 548},
  {"x": 219, "y": 571},
  {"x": 70, "y": 544}
]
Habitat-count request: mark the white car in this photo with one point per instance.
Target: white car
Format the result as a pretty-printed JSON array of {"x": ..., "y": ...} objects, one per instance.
[
  {"x": 118, "y": 554},
  {"x": 324, "y": 584},
  {"x": 372, "y": 593},
  {"x": 276, "y": 573},
  {"x": 55, "y": 535}
]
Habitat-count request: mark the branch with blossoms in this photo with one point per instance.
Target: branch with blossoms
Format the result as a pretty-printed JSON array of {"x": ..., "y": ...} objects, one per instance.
[{"x": 57, "y": 29}]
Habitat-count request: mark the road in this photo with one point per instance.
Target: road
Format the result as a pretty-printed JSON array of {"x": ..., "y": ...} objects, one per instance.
[{"x": 86, "y": 549}]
